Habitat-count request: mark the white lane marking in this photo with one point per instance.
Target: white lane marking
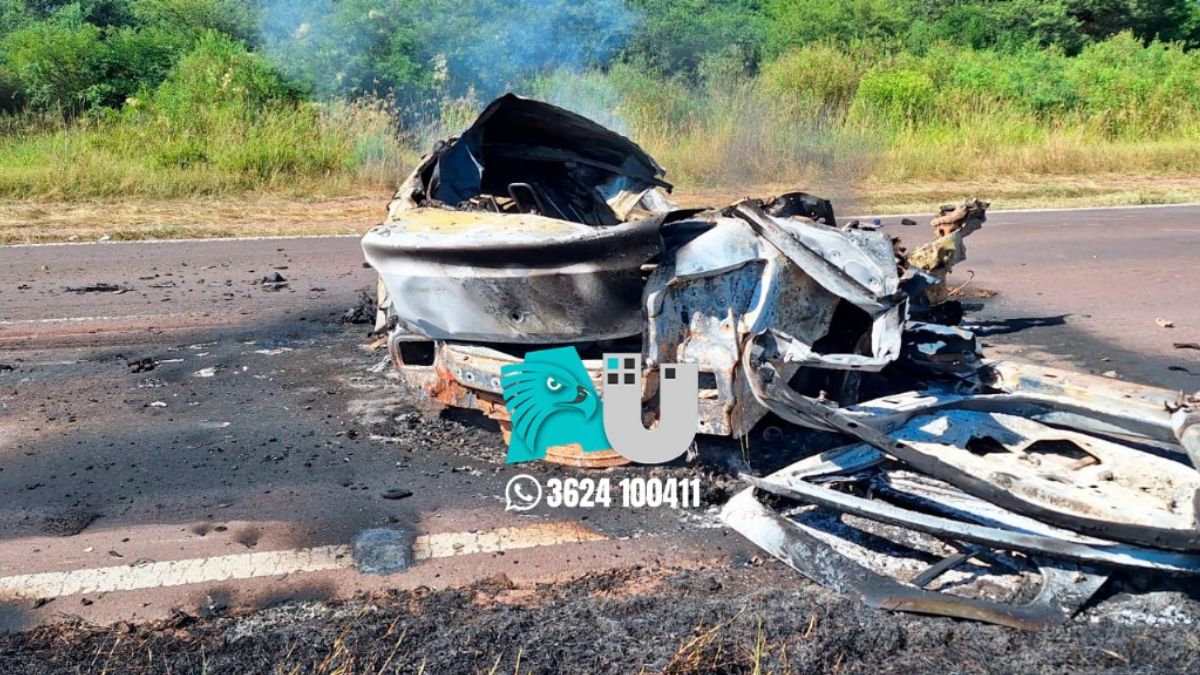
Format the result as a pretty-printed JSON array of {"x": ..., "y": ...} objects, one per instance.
[
  {"x": 174, "y": 573},
  {"x": 79, "y": 319},
  {"x": 189, "y": 241},
  {"x": 46, "y": 585}
]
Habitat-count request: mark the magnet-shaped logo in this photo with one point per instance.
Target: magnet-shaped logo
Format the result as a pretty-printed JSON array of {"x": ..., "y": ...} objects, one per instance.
[{"x": 678, "y": 415}]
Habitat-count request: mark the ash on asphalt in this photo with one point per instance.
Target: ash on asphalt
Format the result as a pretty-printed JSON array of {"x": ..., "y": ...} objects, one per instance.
[{"x": 761, "y": 618}]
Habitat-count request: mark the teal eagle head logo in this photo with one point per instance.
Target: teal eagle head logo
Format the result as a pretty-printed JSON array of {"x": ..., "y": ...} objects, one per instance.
[{"x": 551, "y": 401}]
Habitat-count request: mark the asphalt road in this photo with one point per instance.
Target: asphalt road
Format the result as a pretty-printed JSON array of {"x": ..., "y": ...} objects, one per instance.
[
  {"x": 240, "y": 469},
  {"x": 1078, "y": 287}
]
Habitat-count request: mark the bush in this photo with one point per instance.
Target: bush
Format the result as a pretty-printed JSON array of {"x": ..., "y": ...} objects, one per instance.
[
  {"x": 218, "y": 74},
  {"x": 1133, "y": 89},
  {"x": 821, "y": 74},
  {"x": 1030, "y": 79},
  {"x": 137, "y": 59},
  {"x": 69, "y": 64},
  {"x": 895, "y": 96},
  {"x": 56, "y": 65}
]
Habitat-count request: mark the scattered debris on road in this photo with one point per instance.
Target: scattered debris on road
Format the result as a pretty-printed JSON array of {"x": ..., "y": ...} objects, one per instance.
[
  {"x": 361, "y": 313},
  {"x": 143, "y": 365},
  {"x": 1187, "y": 345},
  {"x": 970, "y": 488},
  {"x": 384, "y": 550},
  {"x": 1164, "y": 323},
  {"x": 274, "y": 282},
  {"x": 69, "y": 523},
  {"x": 99, "y": 288}
]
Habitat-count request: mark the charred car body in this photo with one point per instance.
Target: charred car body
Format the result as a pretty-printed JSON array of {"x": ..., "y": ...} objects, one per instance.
[{"x": 537, "y": 227}]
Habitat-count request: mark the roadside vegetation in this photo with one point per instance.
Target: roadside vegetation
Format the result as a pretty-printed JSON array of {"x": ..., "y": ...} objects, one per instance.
[{"x": 175, "y": 99}]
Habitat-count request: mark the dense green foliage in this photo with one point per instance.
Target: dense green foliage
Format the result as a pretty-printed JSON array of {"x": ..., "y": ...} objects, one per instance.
[
  {"x": 86, "y": 54},
  {"x": 265, "y": 89},
  {"x": 1118, "y": 86},
  {"x": 983, "y": 24}
]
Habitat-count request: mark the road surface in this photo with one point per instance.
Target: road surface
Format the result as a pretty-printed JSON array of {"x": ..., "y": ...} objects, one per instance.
[{"x": 238, "y": 472}]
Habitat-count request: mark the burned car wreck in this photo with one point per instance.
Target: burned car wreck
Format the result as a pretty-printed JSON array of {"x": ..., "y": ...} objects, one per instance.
[{"x": 957, "y": 482}]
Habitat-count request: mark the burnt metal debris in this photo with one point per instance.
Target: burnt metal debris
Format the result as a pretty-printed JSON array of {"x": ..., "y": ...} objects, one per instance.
[{"x": 962, "y": 486}]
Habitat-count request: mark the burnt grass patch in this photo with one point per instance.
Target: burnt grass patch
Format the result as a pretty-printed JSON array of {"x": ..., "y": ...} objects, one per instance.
[{"x": 752, "y": 617}]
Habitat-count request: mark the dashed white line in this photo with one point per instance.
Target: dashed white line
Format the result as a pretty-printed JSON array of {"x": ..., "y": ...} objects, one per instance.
[
  {"x": 47, "y": 585},
  {"x": 80, "y": 319}
]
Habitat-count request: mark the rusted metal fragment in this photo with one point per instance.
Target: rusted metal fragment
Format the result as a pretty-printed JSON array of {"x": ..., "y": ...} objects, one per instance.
[
  {"x": 940, "y": 255},
  {"x": 967, "y": 216},
  {"x": 566, "y": 455},
  {"x": 573, "y": 455},
  {"x": 930, "y": 263}
]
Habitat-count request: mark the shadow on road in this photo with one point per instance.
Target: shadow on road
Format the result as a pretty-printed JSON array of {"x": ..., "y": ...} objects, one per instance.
[
  {"x": 989, "y": 327},
  {"x": 247, "y": 425}
]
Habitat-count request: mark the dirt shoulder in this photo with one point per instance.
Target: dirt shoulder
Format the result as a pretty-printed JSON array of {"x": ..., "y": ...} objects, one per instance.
[
  {"x": 27, "y": 222},
  {"x": 258, "y": 215}
]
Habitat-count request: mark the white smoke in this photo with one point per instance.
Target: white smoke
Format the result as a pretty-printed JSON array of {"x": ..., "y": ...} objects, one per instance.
[{"x": 420, "y": 50}]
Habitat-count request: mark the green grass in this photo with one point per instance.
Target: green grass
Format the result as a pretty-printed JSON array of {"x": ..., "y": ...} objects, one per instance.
[{"x": 306, "y": 149}]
